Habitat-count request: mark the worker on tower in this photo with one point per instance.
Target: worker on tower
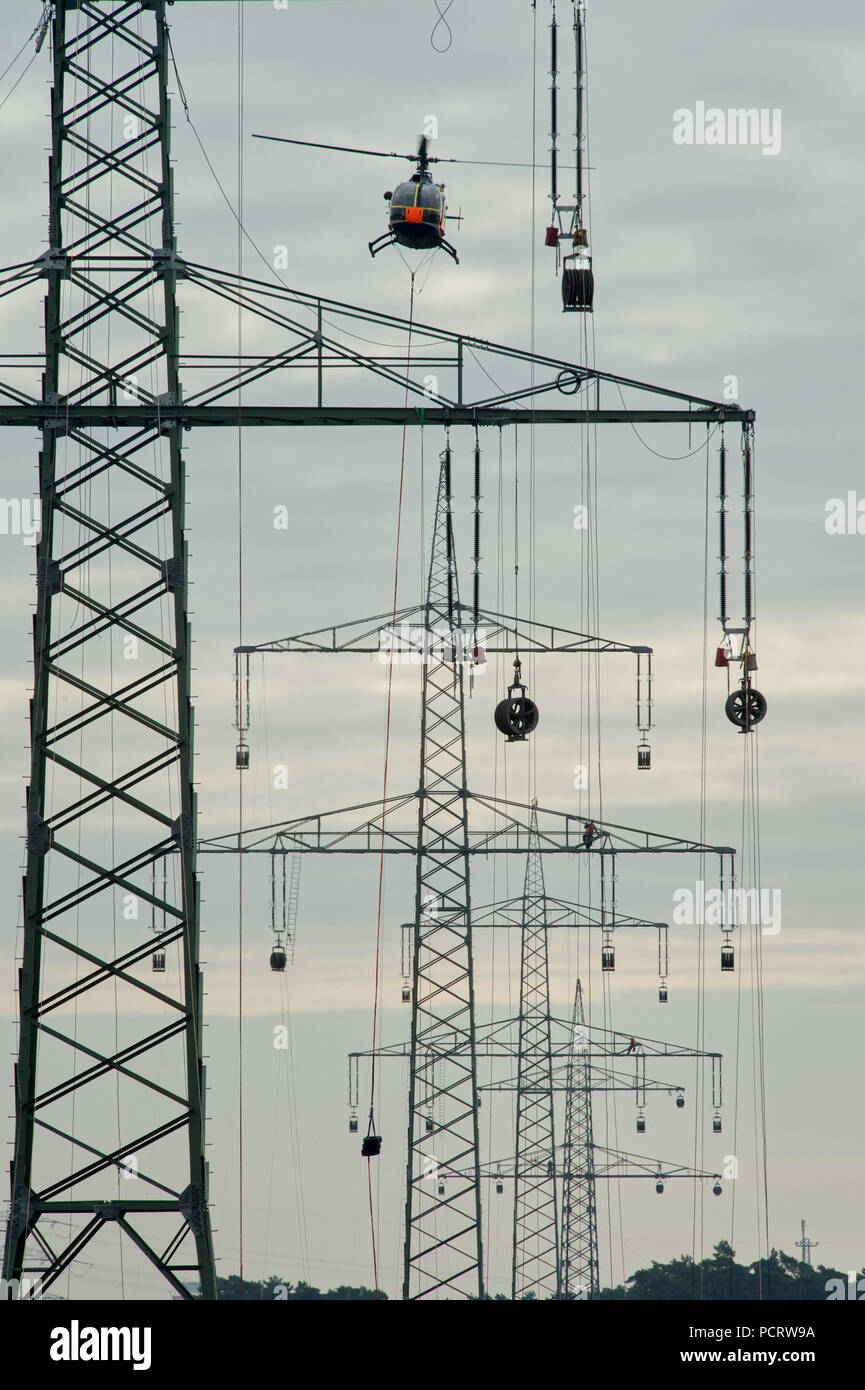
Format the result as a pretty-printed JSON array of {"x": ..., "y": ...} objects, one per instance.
[
  {"x": 589, "y": 834},
  {"x": 632, "y": 1046}
]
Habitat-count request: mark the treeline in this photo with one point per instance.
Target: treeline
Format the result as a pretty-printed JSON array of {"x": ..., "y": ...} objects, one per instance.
[
  {"x": 781, "y": 1278},
  {"x": 278, "y": 1290}
]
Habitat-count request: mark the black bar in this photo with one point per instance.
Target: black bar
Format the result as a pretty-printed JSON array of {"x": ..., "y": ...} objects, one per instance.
[
  {"x": 723, "y": 532},
  {"x": 477, "y": 556},
  {"x": 554, "y": 124},
  {"x": 578, "y": 28},
  {"x": 748, "y": 503},
  {"x": 449, "y": 533},
  {"x": 219, "y": 416}
]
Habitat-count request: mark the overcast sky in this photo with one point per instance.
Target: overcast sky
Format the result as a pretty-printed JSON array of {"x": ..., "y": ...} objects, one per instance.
[{"x": 710, "y": 261}]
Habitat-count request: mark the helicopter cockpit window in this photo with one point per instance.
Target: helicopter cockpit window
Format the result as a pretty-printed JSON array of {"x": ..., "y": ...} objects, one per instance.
[{"x": 410, "y": 195}]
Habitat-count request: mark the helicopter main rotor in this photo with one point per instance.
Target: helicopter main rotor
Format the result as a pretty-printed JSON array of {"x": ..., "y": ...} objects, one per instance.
[{"x": 422, "y": 159}]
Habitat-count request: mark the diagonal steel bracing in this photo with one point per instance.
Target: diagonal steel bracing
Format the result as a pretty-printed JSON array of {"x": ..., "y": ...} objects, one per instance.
[
  {"x": 444, "y": 374},
  {"x": 535, "y": 1268},
  {"x": 110, "y": 794},
  {"x": 579, "y": 1207},
  {"x": 110, "y": 1120},
  {"x": 443, "y": 1256}
]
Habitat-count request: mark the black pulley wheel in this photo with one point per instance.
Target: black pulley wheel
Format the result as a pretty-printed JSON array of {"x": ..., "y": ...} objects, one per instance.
[
  {"x": 501, "y": 716},
  {"x": 578, "y": 288},
  {"x": 745, "y": 707},
  {"x": 516, "y": 717}
]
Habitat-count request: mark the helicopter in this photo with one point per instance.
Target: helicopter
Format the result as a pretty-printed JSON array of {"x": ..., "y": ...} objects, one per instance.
[{"x": 416, "y": 212}]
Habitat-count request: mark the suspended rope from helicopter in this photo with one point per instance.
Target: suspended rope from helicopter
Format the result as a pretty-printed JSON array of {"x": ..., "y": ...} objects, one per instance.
[
  {"x": 371, "y": 1146},
  {"x": 426, "y": 263}
]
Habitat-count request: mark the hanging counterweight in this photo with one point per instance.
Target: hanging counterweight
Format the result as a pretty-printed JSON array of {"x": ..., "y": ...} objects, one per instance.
[
  {"x": 284, "y": 893},
  {"x": 517, "y": 716},
  {"x": 644, "y": 711},
  {"x": 566, "y": 224},
  {"x": 744, "y": 706},
  {"x": 241, "y": 709}
]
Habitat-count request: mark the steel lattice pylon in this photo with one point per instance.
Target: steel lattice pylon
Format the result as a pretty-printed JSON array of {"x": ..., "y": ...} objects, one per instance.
[
  {"x": 110, "y": 1121},
  {"x": 580, "y": 1275},
  {"x": 111, "y": 807},
  {"x": 443, "y": 1229},
  {"x": 536, "y": 1241}
]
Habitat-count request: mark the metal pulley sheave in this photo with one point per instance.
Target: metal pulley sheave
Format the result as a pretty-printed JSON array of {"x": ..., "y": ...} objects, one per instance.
[
  {"x": 745, "y": 707},
  {"x": 517, "y": 716},
  {"x": 578, "y": 286}
]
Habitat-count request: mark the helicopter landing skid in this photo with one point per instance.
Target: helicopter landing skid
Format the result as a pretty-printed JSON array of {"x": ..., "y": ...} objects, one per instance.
[
  {"x": 380, "y": 243},
  {"x": 388, "y": 239}
]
